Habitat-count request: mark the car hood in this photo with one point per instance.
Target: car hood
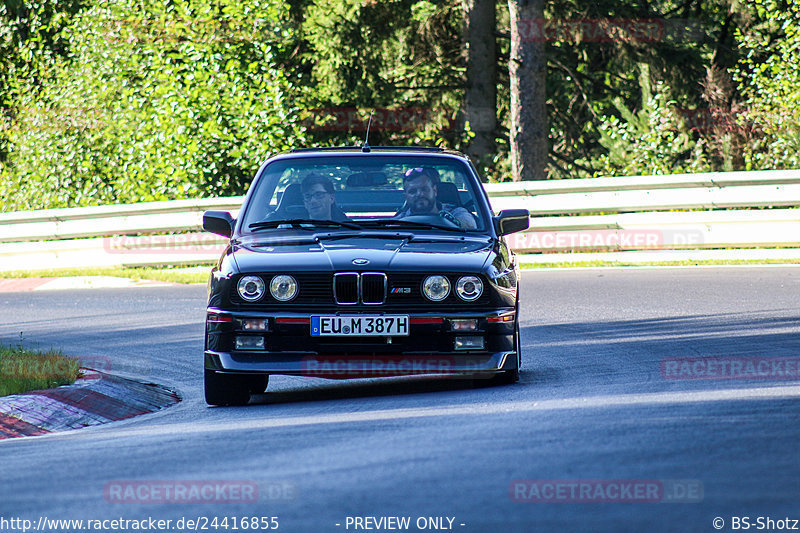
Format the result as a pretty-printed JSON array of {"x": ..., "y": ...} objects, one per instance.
[{"x": 460, "y": 253}]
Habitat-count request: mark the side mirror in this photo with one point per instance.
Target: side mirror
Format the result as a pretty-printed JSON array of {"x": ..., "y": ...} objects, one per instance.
[
  {"x": 512, "y": 221},
  {"x": 219, "y": 222}
]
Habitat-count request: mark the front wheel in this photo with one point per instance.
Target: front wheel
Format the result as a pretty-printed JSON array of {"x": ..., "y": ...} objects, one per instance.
[
  {"x": 227, "y": 389},
  {"x": 258, "y": 383},
  {"x": 508, "y": 377}
]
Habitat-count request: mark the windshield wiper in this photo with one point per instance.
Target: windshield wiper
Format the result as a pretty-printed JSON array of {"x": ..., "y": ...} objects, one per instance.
[
  {"x": 303, "y": 222},
  {"x": 363, "y": 234},
  {"x": 400, "y": 223}
]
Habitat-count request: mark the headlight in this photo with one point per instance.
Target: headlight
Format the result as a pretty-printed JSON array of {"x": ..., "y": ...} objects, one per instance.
[
  {"x": 283, "y": 288},
  {"x": 469, "y": 288},
  {"x": 251, "y": 288},
  {"x": 436, "y": 288}
]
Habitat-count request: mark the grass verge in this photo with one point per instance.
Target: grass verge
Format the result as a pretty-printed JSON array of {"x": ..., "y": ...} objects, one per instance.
[
  {"x": 23, "y": 370},
  {"x": 173, "y": 275}
]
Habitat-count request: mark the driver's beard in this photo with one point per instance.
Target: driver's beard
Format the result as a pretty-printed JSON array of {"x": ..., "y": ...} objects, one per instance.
[{"x": 422, "y": 207}]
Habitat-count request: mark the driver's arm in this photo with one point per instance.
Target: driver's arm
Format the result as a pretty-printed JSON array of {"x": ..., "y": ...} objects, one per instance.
[{"x": 464, "y": 217}]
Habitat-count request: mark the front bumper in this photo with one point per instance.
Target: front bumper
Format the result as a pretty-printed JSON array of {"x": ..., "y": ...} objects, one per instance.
[{"x": 430, "y": 347}]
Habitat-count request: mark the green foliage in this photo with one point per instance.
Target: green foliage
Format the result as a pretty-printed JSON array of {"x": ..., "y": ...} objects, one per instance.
[
  {"x": 154, "y": 102},
  {"x": 105, "y": 102},
  {"x": 394, "y": 54},
  {"x": 653, "y": 140},
  {"x": 198, "y": 274},
  {"x": 770, "y": 75},
  {"x": 29, "y": 38},
  {"x": 591, "y": 76},
  {"x": 23, "y": 370}
]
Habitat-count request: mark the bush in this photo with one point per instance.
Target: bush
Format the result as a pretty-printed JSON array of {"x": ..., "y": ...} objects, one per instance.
[
  {"x": 769, "y": 74},
  {"x": 155, "y": 102},
  {"x": 654, "y": 140}
]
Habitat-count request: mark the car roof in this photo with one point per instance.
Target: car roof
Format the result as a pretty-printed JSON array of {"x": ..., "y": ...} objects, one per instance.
[{"x": 350, "y": 150}]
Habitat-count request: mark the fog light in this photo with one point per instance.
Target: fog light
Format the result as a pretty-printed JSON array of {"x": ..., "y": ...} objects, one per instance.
[
  {"x": 253, "y": 324},
  {"x": 249, "y": 343},
  {"x": 469, "y": 343},
  {"x": 464, "y": 324}
]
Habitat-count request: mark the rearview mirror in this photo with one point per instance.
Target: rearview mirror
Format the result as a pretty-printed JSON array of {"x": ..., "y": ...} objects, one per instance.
[
  {"x": 219, "y": 222},
  {"x": 512, "y": 220}
]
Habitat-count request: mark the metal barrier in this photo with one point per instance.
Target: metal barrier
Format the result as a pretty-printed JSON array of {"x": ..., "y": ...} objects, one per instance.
[{"x": 680, "y": 211}]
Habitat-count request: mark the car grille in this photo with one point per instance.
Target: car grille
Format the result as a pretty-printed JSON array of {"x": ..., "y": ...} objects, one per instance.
[
  {"x": 373, "y": 288},
  {"x": 320, "y": 291},
  {"x": 345, "y": 288}
]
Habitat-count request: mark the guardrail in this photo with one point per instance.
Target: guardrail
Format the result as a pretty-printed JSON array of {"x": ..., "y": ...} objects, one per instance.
[{"x": 717, "y": 210}]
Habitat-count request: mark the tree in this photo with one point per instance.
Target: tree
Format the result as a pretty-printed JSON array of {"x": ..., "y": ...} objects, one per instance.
[
  {"x": 769, "y": 76},
  {"x": 480, "y": 99},
  {"x": 527, "y": 71},
  {"x": 394, "y": 54},
  {"x": 153, "y": 102}
]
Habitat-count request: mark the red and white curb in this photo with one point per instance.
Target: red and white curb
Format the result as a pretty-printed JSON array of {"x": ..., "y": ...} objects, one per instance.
[
  {"x": 22, "y": 284},
  {"x": 94, "y": 399},
  {"x": 73, "y": 282}
]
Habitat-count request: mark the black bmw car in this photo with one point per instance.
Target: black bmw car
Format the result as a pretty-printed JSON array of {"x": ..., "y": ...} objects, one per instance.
[{"x": 362, "y": 262}]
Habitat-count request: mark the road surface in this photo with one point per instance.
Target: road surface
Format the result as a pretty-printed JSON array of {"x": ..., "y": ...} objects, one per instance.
[{"x": 612, "y": 406}]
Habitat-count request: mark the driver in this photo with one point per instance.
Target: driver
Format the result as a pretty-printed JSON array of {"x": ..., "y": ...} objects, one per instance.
[{"x": 420, "y": 187}]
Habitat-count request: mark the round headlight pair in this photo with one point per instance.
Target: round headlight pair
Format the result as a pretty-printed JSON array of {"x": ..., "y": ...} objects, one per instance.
[
  {"x": 437, "y": 287},
  {"x": 282, "y": 287}
]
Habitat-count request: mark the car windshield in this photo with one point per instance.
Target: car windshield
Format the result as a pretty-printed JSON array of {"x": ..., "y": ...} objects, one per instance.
[{"x": 392, "y": 191}]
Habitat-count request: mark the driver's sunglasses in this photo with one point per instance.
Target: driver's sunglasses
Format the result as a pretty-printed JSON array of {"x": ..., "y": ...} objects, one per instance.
[{"x": 418, "y": 170}]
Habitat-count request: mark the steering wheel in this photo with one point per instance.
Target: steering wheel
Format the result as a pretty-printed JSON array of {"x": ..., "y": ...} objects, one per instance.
[{"x": 436, "y": 220}]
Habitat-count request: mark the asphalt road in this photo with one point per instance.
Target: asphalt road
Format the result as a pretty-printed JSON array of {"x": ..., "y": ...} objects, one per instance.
[{"x": 606, "y": 407}]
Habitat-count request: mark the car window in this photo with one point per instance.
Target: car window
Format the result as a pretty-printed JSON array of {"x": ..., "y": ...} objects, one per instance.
[{"x": 367, "y": 191}]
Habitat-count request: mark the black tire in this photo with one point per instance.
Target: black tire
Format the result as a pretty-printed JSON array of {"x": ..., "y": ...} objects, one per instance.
[
  {"x": 509, "y": 377},
  {"x": 258, "y": 383},
  {"x": 506, "y": 377},
  {"x": 227, "y": 389}
]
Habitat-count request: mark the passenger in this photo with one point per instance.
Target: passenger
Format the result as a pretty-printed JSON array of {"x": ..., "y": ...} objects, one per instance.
[
  {"x": 319, "y": 199},
  {"x": 420, "y": 188}
]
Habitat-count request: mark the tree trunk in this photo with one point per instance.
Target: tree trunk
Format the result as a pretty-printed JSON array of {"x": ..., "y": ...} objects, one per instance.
[
  {"x": 480, "y": 101},
  {"x": 527, "y": 69}
]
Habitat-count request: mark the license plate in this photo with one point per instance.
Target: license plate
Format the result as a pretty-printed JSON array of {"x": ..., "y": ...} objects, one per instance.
[{"x": 359, "y": 326}]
